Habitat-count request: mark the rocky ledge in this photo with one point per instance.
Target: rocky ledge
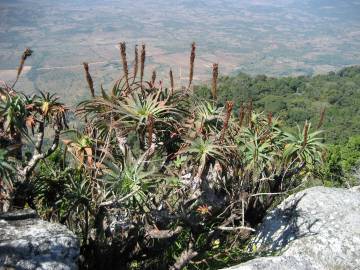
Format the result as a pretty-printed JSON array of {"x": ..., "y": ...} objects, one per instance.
[
  {"x": 27, "y": 242},
  {"x": 318, "y": 228}
]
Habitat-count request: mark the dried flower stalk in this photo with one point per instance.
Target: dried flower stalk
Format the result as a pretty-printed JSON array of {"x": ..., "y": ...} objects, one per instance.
[
  {"x": 27, "y": 53},
  {"x": 142, "y": 64},
  {"x": 322, "y": 116},
  {"x": 305, "y": 133},
  {"x": 229, "y": 106},
  {"x": 241, "y": 114},
  {"x": 215, "y": 75},
  {"x": 250, "y": 109},
  {"x": 171, "y": 81},
  {"x": 153, "y": 78},
  {"x": 89, "y": 79},
  {"x": 150, "y": 129},
  {"x": 192, "y": 59},
  {"x": 136, "y": 63},
  {"x": 124, "y": 62},
  {"x": 270, "y": 116}
]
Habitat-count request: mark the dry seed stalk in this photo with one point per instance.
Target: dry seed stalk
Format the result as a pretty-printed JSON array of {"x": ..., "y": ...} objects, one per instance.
[
  {"x": 27, "y": 53},
  {"x": 136, "y": 63},
  {"x": 150, "y": 129},
  {"x": 171, "y": 81},
  {"x": 192, "y": 59},
  {"x": 124, "y": 62},
  {"x": 142, "y": 64},
  {"x": 250, "y": 109},
  {"x": 267, "y": 133},
  {"x": 241, "y": 114},
  {"x": 201, "y": 128},
  {"x": 270, "y": 118},
  {"x": 89, "y": 79},
  {"x": 305, "y": 133},
  {"x": 322, "y": 116},
  {"x": 153, "y": 78},
  {"x": 215, "y": 75},
  {"x": 229, "y": 107}
]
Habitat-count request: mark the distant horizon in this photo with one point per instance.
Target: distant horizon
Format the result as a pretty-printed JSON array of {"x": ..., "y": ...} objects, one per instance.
[{"x": 275, "y": 38}]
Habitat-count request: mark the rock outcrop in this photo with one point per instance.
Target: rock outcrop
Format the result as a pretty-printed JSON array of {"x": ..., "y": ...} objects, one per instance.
[
  {"x": 27, "y": 242},
  {"x": 318, "y": 228}
]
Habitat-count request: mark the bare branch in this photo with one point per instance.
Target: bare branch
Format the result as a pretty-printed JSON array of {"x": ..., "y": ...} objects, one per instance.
[
  {"x": 163, "y": 234},
  {"x": 185, "y": 257},
  {"x": 38, "y": 155},
  {"x": 268, "y": 193},
  {"x": 223, "y": 228},
  {"x": 122, "y": 143},
  {"x": 116, "y": 202}
]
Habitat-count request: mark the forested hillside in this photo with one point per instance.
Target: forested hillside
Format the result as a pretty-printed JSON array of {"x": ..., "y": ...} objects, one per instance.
[{"x": 297, "y": 99}]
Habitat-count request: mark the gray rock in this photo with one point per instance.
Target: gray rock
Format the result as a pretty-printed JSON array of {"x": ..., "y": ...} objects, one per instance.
[
  {"x": 27, "y": 242},
  {"x": 318, "y": 228}
]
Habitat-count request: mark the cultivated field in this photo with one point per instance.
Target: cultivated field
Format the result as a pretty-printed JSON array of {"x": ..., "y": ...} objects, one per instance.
[{"x": 275, "y": 37}]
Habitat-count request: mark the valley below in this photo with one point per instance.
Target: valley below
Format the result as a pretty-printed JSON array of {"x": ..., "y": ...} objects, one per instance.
[{"x": 276, "y": 38}]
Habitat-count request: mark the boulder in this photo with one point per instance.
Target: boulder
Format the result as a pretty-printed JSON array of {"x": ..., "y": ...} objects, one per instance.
[
  {"x": 27, "y": 242},
  {"x": 318, "y": 228}
]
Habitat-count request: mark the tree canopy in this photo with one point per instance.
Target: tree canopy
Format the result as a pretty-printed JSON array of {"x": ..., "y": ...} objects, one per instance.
[{"x": 296, "y": 99}]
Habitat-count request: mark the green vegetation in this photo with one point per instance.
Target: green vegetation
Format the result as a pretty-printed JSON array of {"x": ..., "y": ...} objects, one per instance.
[
  {"x": 152, "y": 177},
  {"x": 343, "y": 163},
  {"x": 296, "y": 99}
]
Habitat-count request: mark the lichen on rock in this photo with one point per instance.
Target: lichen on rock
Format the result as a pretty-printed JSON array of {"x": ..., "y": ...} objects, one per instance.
[
  {"x": 318, "y": 228},
  {"x": 27, "y": 243}
]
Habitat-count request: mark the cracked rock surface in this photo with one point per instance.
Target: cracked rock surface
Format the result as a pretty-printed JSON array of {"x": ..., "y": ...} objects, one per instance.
[
  {"x": 318, "y": 228},
  {"x": 27, "y": 243}
]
